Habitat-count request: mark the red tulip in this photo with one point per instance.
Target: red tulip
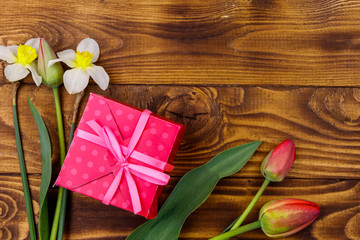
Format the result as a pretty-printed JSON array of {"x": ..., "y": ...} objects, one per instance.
[
  {"x": 278, "y": 162},
  {"x": 285, "y": 217}
]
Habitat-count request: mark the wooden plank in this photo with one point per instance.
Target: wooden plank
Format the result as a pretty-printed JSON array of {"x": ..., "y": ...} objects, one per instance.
[
  {"x": 287, "y": 42},
  {"x": 89, "y": 219},
  {"x": 321, "y": 122},
  {"x": 231, "y": 71}
]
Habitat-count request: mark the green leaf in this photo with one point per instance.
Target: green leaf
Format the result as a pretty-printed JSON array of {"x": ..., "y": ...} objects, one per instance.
[
  {"x": 191, "y": 191},
  {"x": 231, "y": 225},
  {"x": 26, "y": 190},
  {"x": 46, "y": 152}
]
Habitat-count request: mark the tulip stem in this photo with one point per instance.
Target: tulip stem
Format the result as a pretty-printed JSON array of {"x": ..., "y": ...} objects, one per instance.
[
  {"x": 26, "y": 190},
  {"x": 251, "y": 205},
  {"x": 65, "y": 194},
  {"x": 55, "y": 226},
  {"x": 243, "y": 229}
]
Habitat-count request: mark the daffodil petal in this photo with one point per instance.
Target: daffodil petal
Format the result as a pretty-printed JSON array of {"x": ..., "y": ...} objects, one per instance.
[
  {"x": 13, "y": 49},
  {"x": 34, "y": 43},
  {"x": 35, "y": 76},
  {"x": 52, "y": 62},
  {"x": 15, "y": 72},
  {"x": 99, "y": 75},
  {"x": 68, "y": 57},
  {"x": 7, "y": 55},
  {"x": 75, "y": 80},
  {"x": 90, "y": 45}
]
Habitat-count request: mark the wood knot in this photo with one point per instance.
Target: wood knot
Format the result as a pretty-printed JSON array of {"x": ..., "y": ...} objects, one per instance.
[
  {"x": 8, "y": 208},
  {"x": 352, "y": 229},
  {"x": 3, "y": 209},
  {"x": 5, "y": 233},
  {"x": 337, "y": 106},
  {"x": 193, "y": 107}
]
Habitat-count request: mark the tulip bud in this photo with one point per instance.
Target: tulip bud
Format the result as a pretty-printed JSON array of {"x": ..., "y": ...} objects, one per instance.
[
  {"x": 278, "y": 162},
  {"x": 53, "y": 75},
  {"x": 282, "y": 218}
]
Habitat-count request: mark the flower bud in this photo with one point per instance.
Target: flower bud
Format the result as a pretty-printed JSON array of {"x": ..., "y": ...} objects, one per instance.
[
  {"x": 278, "y": 162},
  {"x": 282, "y": 218},
  {"x": 53, "y": 75}
]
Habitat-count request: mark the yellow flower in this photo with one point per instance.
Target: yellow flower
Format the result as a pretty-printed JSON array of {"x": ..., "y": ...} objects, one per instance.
[
  {"x": 26, "y": 54},
  {"x": 83, "y": 59}
]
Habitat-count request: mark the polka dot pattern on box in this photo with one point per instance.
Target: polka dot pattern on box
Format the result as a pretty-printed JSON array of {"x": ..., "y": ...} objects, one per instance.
[
  {"x": 97, "y": 113},
  {"x": 95, "y": 152},
  {"x": 74, "y": 171},
  {"x": 87, "y": 167}
]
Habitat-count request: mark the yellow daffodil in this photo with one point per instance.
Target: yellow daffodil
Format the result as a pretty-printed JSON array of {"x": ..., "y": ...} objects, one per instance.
[
  {"x": 21, "y": 60},
  {"x": 81, "y": 61}
]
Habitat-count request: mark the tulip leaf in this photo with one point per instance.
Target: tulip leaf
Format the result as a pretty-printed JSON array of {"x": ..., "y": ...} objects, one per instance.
[
  {"x": 46, "y": 152},
  {"x": 191, "y": 191}
]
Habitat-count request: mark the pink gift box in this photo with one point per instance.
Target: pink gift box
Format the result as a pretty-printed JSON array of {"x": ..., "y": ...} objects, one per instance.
[{"x": 120, "y": 155}]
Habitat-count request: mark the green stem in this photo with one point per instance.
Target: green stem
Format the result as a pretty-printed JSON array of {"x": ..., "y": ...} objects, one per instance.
[
  {"x": 243, "y": 229},
  {"x": 251, "y": 205},
  {"x": 65, "y": 194},
  {"x": 64, "y": 197},
  {"x": 26, "y": 190},
  {"x": 60, "y": 125},
  {"x": 55, "y": 226},
  {"x": 72, "y": 130},
  {"x": 62, "y": 214}
]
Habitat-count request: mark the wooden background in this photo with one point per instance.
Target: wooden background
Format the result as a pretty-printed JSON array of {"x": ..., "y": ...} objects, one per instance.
[{"x": 233, "y": 71}]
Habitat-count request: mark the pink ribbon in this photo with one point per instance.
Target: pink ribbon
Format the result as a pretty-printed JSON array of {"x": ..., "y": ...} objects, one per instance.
[{"x": 106, "y": 138}]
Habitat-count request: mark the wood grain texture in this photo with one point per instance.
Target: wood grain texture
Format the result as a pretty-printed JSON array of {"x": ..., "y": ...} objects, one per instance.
[
  {"x": 339, "y": 202},
  {"x": 320, "y": 121},
  {"x": 232, "y": 71},
  {"x": 284, "y": 42}
]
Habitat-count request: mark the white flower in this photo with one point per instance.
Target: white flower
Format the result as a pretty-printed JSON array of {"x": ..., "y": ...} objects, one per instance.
[
  {"x": 21, "y": 59},
  {"x": 81, "y": 62}
]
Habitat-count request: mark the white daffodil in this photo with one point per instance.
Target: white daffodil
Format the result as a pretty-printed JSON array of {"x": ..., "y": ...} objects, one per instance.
[
  {"x": 21, "y": 60},
  {"x": 81, "y": 62}
]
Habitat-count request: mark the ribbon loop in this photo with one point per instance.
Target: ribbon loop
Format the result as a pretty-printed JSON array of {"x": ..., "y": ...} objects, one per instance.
[
  {"x": 113, "y": 187},
  {"x": 138, "y": 131},
  {"x": 113, "y": 144},
  {"x": 106, "y": 138}
]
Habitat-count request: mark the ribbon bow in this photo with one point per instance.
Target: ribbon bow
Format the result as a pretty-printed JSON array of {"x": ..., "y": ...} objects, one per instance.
[{"x": 106, "y": 138}]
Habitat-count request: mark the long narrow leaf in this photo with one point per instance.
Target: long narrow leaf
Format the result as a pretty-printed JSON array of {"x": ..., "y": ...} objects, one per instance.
[
  {"x": 46, "y": 152},
  {"x": 27, "y": 196},
  {"x": 191, "y": 191}
]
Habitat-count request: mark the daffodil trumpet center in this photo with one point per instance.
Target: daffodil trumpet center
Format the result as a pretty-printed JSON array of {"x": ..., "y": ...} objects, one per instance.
[
  {"x": 26, "y": 54},
  {"x": 83, "y": 59}
]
